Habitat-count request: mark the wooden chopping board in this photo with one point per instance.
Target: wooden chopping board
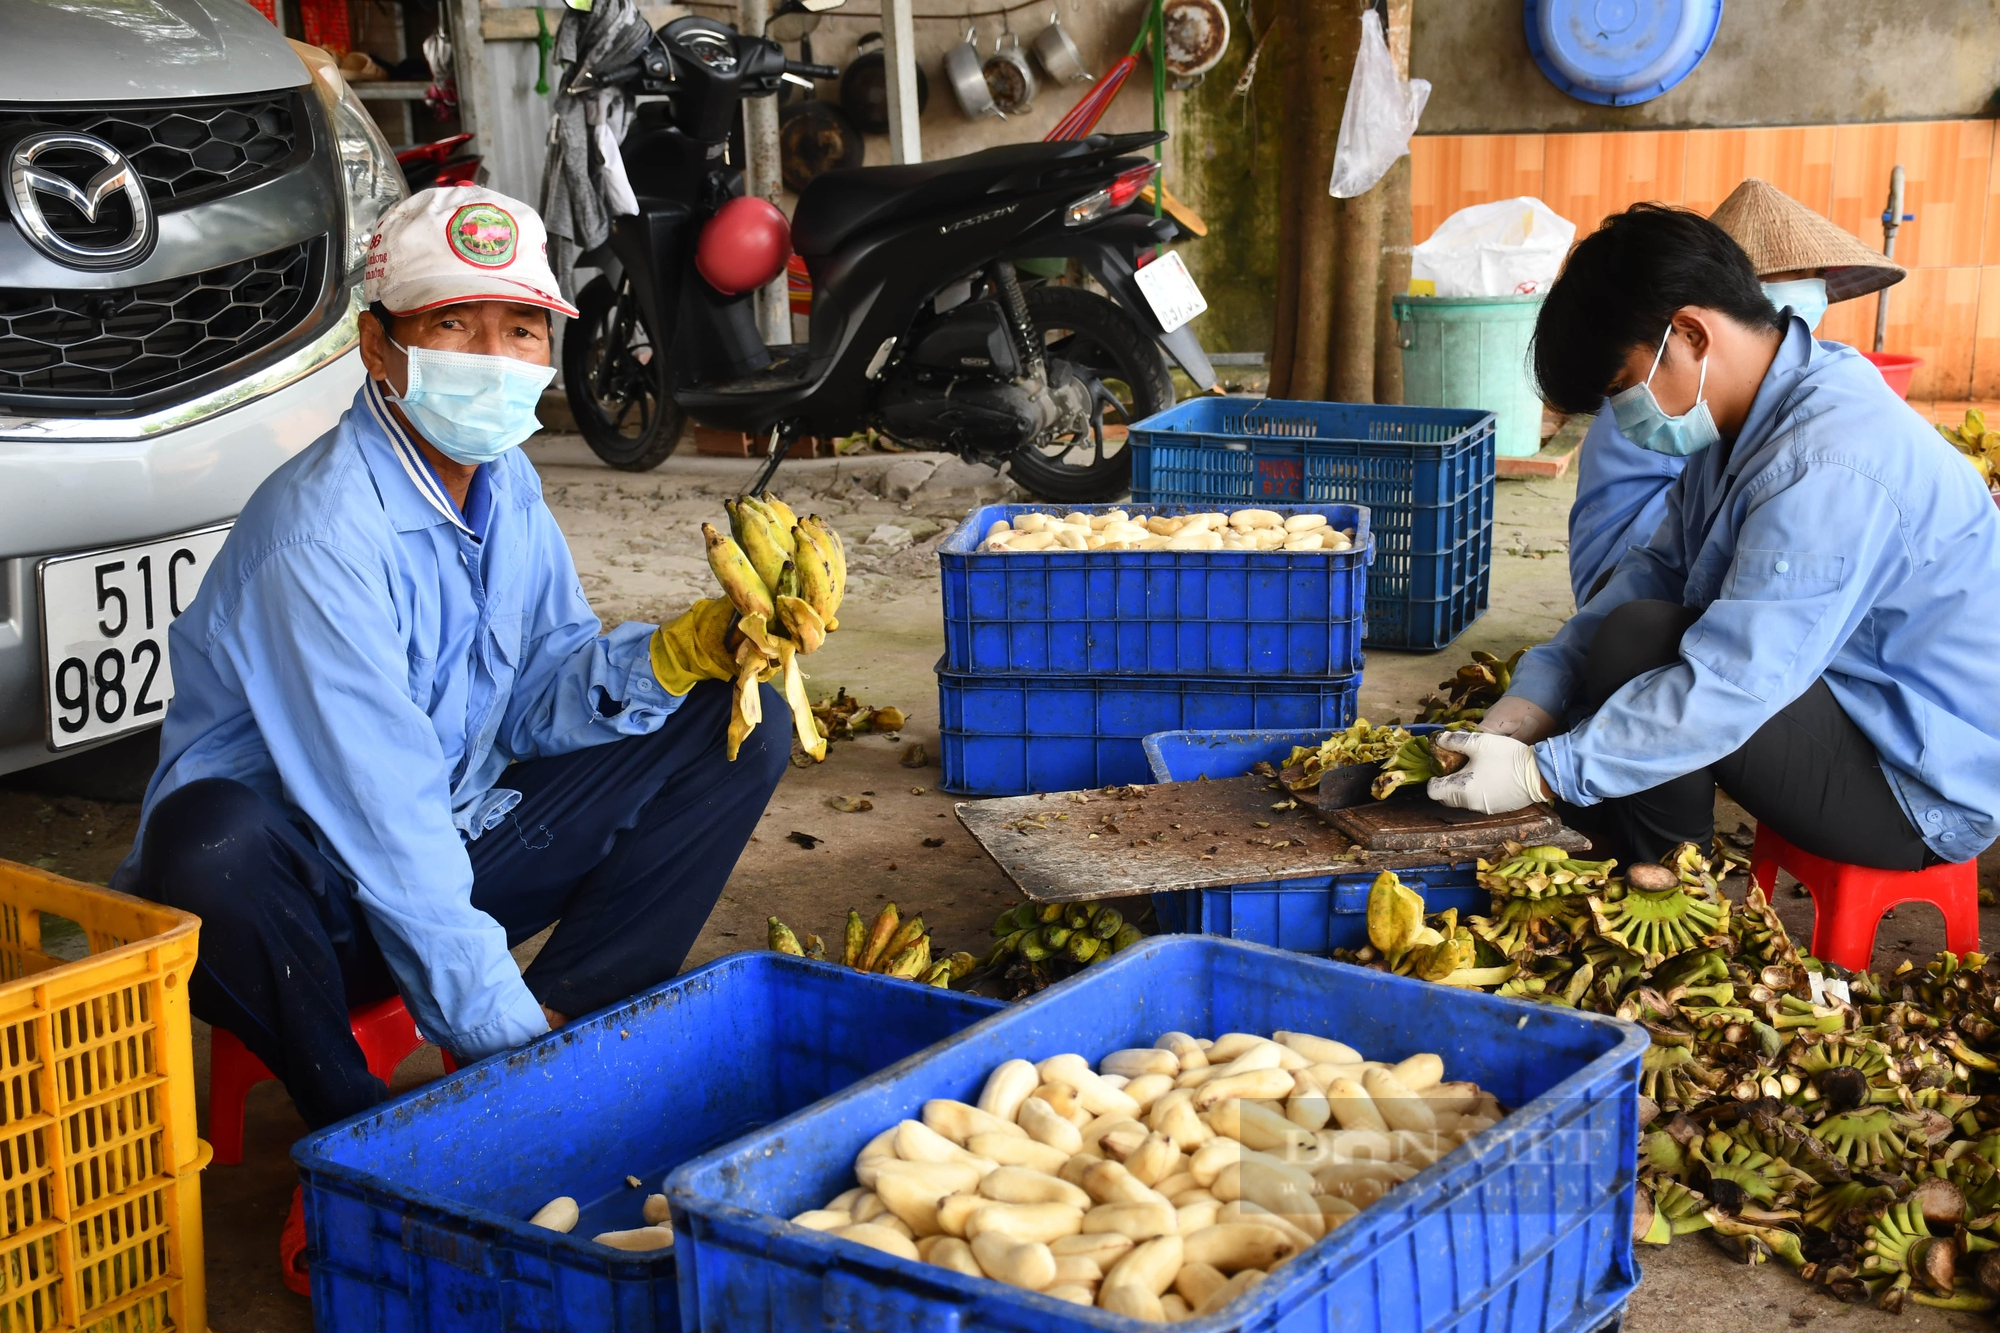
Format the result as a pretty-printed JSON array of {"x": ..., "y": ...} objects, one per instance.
[
  {"x": 1422, "y": 825},
  {"x": 1080, "y": 846}
]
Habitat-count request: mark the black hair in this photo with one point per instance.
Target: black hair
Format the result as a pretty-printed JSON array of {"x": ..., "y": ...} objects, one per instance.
[{"x": 1620, "y": 288}]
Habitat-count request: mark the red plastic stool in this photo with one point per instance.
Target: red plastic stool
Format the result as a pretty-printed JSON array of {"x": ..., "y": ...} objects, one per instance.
[
  {"x": 385, "y": 1031},
  {"x": 1848, "y": 901}
]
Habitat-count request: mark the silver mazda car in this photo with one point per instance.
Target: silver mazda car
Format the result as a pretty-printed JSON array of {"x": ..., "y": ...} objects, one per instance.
[{"x": 187, "y": 199}]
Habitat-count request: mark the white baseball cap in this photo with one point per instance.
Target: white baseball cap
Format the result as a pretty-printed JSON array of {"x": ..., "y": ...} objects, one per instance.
[{"x": 459, "y": 243}]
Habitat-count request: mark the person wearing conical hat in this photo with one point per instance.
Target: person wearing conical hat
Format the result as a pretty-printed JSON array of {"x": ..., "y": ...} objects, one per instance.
[{"x": 1805, "y": 263}]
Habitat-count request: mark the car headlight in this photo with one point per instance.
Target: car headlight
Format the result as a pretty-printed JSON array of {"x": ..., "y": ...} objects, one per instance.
[{"x": 370, "y": 177}]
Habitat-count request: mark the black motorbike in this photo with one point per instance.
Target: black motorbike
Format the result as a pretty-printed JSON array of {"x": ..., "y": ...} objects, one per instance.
[{"x": 921, "y": 326}]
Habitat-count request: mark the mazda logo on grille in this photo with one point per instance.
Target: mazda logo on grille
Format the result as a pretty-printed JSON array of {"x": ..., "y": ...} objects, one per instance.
[{"x": 53, "y": 176}]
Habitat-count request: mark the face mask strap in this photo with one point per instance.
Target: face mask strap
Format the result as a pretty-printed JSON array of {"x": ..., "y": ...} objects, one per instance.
[{"x": 1658, "y": 355}]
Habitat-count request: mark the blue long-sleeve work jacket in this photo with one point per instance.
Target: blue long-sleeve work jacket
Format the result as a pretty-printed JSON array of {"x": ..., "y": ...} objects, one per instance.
[
  {"x": 1621, "y": 496},
  {"x": 370, "y": 660},
  {"x": 1838, "y": 537}
]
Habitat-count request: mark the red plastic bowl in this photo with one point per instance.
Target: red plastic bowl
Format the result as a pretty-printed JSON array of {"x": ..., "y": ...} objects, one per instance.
[{"x": 1896, "y": 369}]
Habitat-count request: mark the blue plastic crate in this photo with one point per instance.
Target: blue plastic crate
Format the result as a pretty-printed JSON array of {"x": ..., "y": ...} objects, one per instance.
[
  {"x": 1312, "y": 915},
  {"x": 416, "y": 1212},
  {"x": 1008, "y": 735},
  {"x": 1214, "y": 613},
  {"x": 1425, "y": 473},
  {"x": 1526, "y": 1229}
]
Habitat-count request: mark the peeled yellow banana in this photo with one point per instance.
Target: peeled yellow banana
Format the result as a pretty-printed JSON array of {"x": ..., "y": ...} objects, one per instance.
[
  {"x": 802, "y": 717},
  {"x": 753, "y": 668},
  {"x": 739, "y": 578}
]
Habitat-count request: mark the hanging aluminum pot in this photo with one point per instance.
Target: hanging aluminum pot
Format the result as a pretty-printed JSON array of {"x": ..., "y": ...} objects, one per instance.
[
  {"x": 1009, "y": 76},
  {"x": 968, "y": 83},
  {"x": 1059, "y": 55},
  {"x": 1197, "y": 35}
]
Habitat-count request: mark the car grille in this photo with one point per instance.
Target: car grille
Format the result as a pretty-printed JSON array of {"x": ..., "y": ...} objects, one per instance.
[
  {"x": 126, "y": 342},
  {"x": 185, "y": 151}
]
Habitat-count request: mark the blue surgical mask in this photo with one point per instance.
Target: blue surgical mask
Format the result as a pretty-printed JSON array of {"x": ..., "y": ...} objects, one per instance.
[
  {"x": 473, "y": 408},
  {"x": 1641, "y": 421},
  {"x": 1805, "y": 296}
]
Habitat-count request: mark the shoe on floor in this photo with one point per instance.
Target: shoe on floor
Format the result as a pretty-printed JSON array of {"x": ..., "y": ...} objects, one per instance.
[{"x": 292, "y": 1246}]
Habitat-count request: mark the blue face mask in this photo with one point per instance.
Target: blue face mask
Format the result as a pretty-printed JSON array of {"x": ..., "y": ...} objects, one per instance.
[
  {"x": 1641, "y": 421},
  {"x": 1805, "y": 296},
  {"x": 473, "y": 408}
]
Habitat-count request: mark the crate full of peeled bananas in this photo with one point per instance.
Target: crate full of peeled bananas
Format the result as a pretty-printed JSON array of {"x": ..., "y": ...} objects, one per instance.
[
  {"x": 1195, "y": 1128},
  {"x": 1160, "y": 589}
]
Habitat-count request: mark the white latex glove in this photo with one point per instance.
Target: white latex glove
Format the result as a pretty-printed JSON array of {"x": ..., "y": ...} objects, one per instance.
[
  {"x": 1516, "y": 717},
  {"x": 1499, "y": 775}
]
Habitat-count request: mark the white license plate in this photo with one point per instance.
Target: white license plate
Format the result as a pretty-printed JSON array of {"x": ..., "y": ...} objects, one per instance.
[
  {"x": 1169, "y": 288},
  {"x": 104, "y": 632}
]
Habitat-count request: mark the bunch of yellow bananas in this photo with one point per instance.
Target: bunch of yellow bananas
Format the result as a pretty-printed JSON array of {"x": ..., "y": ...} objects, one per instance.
[
  {"x": 785, "y": 575},
  {"x": 1980, "y": 446}
]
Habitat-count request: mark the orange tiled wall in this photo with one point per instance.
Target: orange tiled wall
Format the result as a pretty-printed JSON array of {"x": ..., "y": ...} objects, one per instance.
[{"x": 1947, "y": 311}]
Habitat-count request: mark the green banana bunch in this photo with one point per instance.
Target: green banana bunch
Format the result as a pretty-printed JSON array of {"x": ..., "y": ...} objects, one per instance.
[
  {"x": 1658, "y": 924},
  {"x": 1542, "y": 872},
  {"x": 1473, "y": 689},
  {"x": 1076, "y": 934},
  {"x": 1523, "y": 925},
  {"x": 1414, "y": 761}
]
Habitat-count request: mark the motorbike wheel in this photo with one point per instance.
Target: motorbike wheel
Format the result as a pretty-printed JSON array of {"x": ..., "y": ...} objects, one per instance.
[
  {"x": 1104, "y": 344},
  {"x": 615, "y": 376}
]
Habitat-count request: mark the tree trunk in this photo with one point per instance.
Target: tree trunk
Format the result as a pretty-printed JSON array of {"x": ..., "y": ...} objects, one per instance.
[
  {"x": 1395, "y": 190},
  {"x": 1356, "y": 292},
  {"x": 1324, "y": 36}
]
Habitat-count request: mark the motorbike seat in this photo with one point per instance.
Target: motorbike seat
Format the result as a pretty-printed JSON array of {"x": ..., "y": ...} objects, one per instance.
[{"x": 839, "y": 203}]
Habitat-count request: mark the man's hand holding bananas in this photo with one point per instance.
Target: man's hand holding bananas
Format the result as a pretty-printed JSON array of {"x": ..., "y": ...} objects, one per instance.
[{"x": 785, "y": 577}]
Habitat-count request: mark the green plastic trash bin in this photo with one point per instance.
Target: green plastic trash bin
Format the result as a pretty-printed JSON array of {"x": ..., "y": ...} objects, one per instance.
[{"x": 1472, "y": 351}]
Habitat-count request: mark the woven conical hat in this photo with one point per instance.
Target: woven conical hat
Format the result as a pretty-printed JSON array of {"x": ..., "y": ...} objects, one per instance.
[{"x": 1779, "y": 234}]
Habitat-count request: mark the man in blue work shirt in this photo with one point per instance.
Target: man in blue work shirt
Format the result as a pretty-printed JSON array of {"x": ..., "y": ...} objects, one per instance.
[
  {"x": 401, "y": 742},
  {"x": 1813, "y": 625},
  {"x": 1804, "y": 263}
]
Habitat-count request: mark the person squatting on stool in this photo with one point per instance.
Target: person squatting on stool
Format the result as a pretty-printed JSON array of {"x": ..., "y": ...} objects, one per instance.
[
  {"x": 1814, "y": 623},
  {"x": 401, "y": 742}
]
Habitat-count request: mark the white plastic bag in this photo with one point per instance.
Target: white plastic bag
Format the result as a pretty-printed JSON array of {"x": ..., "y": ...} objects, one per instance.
[
  {"x": 1380, "y": 116},
  {"x": 1507, "y": 248}
]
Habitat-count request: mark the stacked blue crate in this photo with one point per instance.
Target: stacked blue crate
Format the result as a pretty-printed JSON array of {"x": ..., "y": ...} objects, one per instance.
[{"x": 1059, "y": 663}]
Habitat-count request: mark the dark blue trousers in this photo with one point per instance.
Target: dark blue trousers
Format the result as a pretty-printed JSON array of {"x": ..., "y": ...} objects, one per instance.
[{"x": 627, "y": 845}]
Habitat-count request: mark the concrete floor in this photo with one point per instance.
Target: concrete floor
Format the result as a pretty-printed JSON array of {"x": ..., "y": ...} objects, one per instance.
[{"x": 637, "y": 545}]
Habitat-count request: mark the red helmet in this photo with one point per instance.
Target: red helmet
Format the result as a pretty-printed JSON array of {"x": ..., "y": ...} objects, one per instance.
[{"x": 744, "y": 245}]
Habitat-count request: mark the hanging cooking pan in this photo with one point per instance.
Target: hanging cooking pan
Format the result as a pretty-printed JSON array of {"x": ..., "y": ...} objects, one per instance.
[
  {"x": 1009, "y": 76},
  {"x": 1059, "y": 55},
  {"x": 968, "y": 82},
  {"x": 815, "y": 137},
  {"x": 864, "y": 87}
]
